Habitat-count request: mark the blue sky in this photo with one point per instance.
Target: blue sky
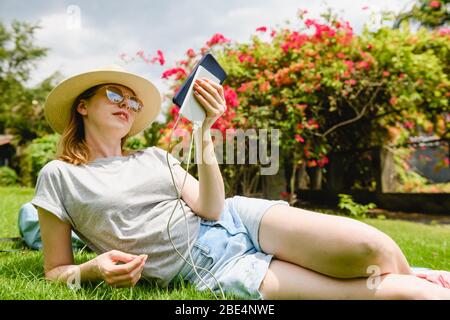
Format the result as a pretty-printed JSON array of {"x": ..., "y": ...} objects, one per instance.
[{"x": 108, "y": 28}]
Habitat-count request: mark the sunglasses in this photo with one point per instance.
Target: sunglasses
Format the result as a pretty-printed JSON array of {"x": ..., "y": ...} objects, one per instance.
[{"x": 116, "y": 95}]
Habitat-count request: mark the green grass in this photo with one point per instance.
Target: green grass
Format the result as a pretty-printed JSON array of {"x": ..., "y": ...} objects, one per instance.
[{"x": 21, "y": 273}]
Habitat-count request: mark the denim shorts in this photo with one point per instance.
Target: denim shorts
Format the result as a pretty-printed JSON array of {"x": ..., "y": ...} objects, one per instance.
[{"x": 229, "y": 249}]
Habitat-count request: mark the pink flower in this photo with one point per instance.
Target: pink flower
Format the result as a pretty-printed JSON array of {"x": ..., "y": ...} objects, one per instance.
[
  {"x": 444, "y": 31},
  {"x": 299, "y": 138},
  {"x": 386, "y": 73},
  {"x": 341, "y": 55},
  {"x": 365, "y": 7},
  {"x": 262, "y": 29},
  {"x": 350, "y": 82},
  {"x": 393, "y": 101},
  {"x": 217, "y": 39},
  {"x": 190, "y": 53},
  {"x": 435, "y": 4},
  {"x": 273, "y": 33}
]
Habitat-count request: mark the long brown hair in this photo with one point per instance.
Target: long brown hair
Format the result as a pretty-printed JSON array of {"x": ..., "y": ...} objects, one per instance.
[{"x": 72, "y": 146}]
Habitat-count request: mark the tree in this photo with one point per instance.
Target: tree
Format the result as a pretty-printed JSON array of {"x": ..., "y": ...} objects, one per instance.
[
  {"x": 21, "y": 108},
  {"x": 427, "y": 13}
]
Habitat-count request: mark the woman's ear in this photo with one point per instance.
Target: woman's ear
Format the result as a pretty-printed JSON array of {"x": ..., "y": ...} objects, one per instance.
[{"x": 82, "y": 107}]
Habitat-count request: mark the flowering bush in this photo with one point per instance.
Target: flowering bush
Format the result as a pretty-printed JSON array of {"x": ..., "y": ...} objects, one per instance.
[{"x": 326, "y": 88}]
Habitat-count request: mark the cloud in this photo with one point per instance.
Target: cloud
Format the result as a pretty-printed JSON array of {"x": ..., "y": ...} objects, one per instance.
[{"x": 109, "y": 28}]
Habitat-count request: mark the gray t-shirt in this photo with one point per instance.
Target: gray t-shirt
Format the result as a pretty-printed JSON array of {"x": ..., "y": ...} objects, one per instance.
[{"x": 122, "y": 203}]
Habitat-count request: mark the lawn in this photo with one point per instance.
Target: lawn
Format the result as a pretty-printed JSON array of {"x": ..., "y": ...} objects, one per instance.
[{"x": 21, "y": 274}]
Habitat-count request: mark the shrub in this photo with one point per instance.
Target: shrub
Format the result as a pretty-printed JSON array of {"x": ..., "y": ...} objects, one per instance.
[
  {"x": 352, "y": 208},
  {"x": 135, "y": 143},
  {"x": 35, "y": 156},
  {"x": 8, "y": 176}
]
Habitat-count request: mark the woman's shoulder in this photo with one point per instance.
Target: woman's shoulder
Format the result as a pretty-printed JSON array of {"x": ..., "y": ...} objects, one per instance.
[{"x": 51, "y": 170}]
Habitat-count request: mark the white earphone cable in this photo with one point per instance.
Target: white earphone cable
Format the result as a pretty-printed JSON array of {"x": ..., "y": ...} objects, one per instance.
[{"x": 196, "y": 127}]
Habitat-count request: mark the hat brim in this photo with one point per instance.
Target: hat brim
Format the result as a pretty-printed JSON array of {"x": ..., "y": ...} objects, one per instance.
[{"x": 60, "y": 100}]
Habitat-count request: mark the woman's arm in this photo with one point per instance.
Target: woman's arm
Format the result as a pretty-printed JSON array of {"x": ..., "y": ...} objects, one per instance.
[
  {"x": 211, "y": 197},
  {"x": 206, "y": 197},
  {"x": 59, "y": 263}
]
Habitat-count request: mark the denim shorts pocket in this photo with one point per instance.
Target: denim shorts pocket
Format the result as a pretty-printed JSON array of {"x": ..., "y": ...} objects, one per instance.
[
  {"x": 230, "y": 227},
  {"x": 201, "y": 254}
]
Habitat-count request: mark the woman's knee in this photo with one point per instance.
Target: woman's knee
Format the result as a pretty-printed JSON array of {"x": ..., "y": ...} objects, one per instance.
[{"x": 381, "y": 251}]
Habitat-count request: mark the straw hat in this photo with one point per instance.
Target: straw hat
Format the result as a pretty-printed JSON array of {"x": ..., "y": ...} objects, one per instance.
[{"x": 58, "y": 104}]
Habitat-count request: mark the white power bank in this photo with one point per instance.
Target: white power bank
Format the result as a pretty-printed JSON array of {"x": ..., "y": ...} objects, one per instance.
[{"x": 191, "y": 109}]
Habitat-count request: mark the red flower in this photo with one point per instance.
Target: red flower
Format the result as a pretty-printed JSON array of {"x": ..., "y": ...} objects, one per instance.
[
  {"x": 393, "y": 101},
  {"x": 435, "y": 4},
  {"x": 217, "y": 39},
  {"x": 265, "y": 86},
  {"x": 386, "y": 73},
  {"x": 363, "y": 65},
  {"x": 190, "y": 53},
  {"x": 299, "y": 138},
  {"x": 273, "y": 33},
  {"x": 230, "y": 97},
  {"x": 341, "y": 55},
  {"x": 284, "y": 194},
  {"x": 409, "y": 124},
  {"x": 350, "y": 82},
  {"x": 168, "y": 73},
  {"x": 244, "y": 86},
  {"x": 159, "y": 58},
  {"x": 349, "y": 64},
  {"x": 262, "y": 29},
  {"x": 313, "y": 123},
  {"x": 174, "y": 110},
  {"x": 312, "y": 163},
  {"x": 322, "y": 162},
  {"x": 309, "y": 22}
]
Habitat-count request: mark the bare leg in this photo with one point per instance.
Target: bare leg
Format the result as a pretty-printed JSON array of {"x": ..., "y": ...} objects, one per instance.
[
  {"x": 286, "y": 280},
  {"x": 336, "y": 246}
]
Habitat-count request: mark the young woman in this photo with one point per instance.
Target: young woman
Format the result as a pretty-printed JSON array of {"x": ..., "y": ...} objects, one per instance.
[{"x": 120, "y": 205}]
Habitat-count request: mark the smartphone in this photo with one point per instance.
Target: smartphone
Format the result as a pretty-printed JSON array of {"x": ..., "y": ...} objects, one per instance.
[
  {"x": 191, "y": 108},
  {"x": 209, "y": 63}
]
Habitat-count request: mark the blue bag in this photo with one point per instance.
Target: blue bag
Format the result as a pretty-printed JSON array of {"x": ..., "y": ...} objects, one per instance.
[{"x": 30, "y": 231}]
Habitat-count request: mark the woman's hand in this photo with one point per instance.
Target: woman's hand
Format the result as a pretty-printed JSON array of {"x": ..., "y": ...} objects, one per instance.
[
  {"x": 211, "y": 97},
  {"x": 120, "y": 275}
]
